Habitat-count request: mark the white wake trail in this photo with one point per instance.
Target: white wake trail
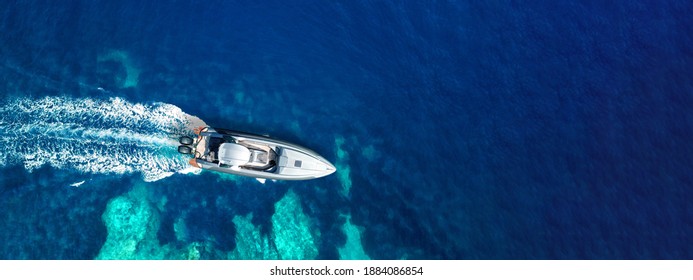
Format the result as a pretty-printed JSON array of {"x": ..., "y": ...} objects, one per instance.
[{"x": 95, "y": 136}]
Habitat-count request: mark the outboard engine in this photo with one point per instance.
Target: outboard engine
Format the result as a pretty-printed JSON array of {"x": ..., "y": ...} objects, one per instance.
[
  {"x": 183, "y": 149},
  {"x": 185, "y": 140}
]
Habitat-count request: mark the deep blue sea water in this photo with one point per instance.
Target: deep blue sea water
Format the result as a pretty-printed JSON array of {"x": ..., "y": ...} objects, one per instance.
[{"x": 461, "y": 130}]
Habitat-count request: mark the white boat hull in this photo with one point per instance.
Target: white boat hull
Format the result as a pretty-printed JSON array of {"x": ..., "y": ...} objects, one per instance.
[{"x": 256, "y": 156}]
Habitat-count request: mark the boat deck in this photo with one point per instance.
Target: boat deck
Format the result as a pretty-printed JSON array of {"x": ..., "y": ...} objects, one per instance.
[
  {"x": 263, "y": 157},
  {"x": 201, "y": 147}
]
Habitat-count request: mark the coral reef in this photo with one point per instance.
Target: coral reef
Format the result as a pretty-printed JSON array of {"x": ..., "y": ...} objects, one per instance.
[
  {"x": 342, "y": 165},
  {"x": 352, "y": 249},
  {"x": 292, "y": 230}
]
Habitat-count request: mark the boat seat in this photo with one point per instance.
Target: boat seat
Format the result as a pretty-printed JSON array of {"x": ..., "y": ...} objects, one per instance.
[
  {"x": 233, "y": 154},
  {"x": 259, "y": 157}
]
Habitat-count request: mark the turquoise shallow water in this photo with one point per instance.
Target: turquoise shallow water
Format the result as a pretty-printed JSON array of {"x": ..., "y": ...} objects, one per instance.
[{"x": 459, "y": 130}]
